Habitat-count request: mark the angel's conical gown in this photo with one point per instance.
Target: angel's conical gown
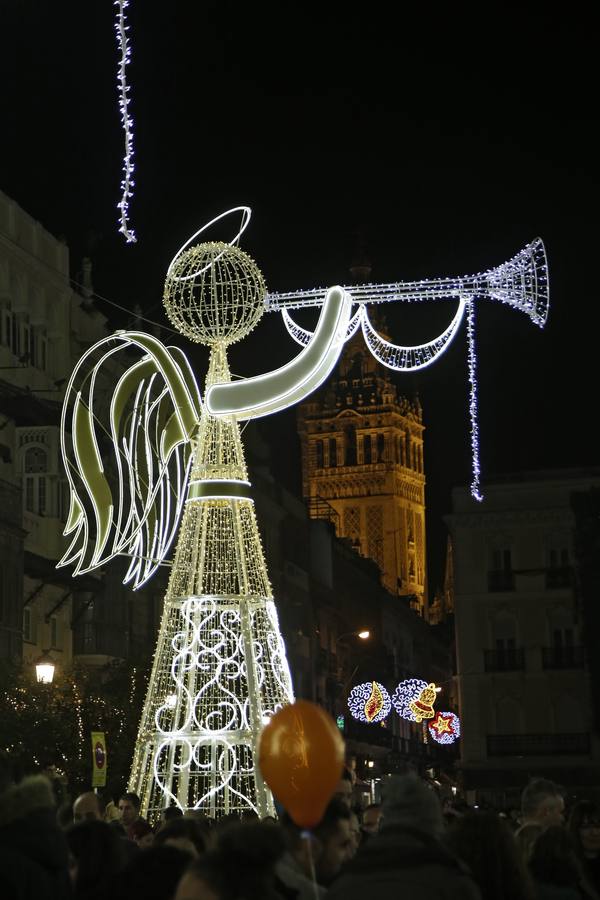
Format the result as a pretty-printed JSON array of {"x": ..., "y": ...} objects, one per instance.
[{"x": 220, "y": 667}]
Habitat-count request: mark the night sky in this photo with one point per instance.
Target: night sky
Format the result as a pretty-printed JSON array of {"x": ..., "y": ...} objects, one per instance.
[{"x": 445, "y": 143}]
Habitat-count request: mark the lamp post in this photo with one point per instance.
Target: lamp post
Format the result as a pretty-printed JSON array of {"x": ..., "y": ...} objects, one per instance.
[
  {"x": 364, "y": 635},
  {"x": 44, "y": 669}
]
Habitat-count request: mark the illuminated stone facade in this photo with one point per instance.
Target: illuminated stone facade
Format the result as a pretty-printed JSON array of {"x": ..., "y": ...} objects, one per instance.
[{"x": 362, "y": 469}]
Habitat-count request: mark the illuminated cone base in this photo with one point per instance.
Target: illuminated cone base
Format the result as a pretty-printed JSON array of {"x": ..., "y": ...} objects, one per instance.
[{"x": 220, "y": 668}]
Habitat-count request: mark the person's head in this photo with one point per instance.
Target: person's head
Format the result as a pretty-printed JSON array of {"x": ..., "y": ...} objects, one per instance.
[
  {"x": 343, "y": 789},
  {"x": 542, "y": 802},
  {"x": 151, "y": 873},
  {"x": 584, "y": 826},
  {"x": 487, "y": 845},
  {"x": 331, "y": 841},
  {"x": 88, "y": 807},
  {"x": 129, "y": 807},
  {"x": 409, "y": 803},
  {"x": 242, "y": 864},
  {"x": 371, "y": 817},
  {"x": 168, "y": 814},
  {"x": 554, "y": 859},
  {"x": 96, "y": 854},
  {"x": 355, "y": 834},
  {"x": 334, "y": 837},
  {"x": 188, "y": 834}
]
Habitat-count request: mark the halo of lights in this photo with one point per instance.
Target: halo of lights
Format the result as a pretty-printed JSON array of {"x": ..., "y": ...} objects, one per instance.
[
  {"x": 445, "y": 727},
  {"x": 369, "y": 702},
  {"x": 246, "y": 216},
  {"x": 406, "y": 693}
]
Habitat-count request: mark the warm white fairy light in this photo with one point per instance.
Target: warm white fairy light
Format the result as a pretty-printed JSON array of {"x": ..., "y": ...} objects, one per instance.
[
  {"x": 220, "y": 668},
  {"x": 473, "y": 404},
  {"x": 127, "y": 182},
  {"x": 522, "y": 283},
  {"x": 369, "y": 702}
]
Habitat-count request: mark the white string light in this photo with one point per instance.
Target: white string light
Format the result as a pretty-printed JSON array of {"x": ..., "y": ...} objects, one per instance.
[
  {"x": 127, "y": 182},
  {"x": 473, "y": 404}
]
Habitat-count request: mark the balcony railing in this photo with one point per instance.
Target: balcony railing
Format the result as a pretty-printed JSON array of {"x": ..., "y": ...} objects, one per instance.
[
  {"x": 575, "y": 744},
  {"x": 559, "y": 577},
  {"x": 501, "y": 580},
  {"x": 510, "y": 659},
  {"x": 566, "y": 657}
]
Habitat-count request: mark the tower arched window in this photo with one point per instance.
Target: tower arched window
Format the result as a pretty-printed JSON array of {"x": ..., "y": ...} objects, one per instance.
[
  {"x": 367, "y": 449},
  {"x": 35, "y": 468},
  {"x": 350, "y": 446},
  {"x": 332, "y": 452},
  {"x": 319, "y": 454},
  {"x": 380, "y": 447}
]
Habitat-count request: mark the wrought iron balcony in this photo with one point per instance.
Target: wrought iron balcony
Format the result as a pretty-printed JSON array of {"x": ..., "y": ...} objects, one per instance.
[
  {"x": 559, "y": 577},
  {"x": 501, "y": 580},
  {"x": 565, "y": 657},
  {"x": 573, "y": 744},
  {"x": 509, "y": 659}
]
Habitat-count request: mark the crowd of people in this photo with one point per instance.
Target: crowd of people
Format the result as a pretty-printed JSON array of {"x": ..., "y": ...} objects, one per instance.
[{"x": 412, "y": 845}]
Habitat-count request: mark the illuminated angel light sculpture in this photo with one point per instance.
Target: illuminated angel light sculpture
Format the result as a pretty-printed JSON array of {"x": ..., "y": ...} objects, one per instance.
[
  {"x": 369, "y": 702},
  {"x": 220, "y": 668},
  {"x": 445, "y": 727}
]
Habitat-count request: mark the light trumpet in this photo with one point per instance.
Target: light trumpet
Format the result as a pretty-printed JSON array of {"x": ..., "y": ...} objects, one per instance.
[{"x": 521, "y": 282}]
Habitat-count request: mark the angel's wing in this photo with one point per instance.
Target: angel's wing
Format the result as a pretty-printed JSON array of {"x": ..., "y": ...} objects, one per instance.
[{"x": 127, "y": 451}]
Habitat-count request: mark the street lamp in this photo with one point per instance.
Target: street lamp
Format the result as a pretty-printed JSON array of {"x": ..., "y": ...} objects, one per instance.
[
  {"x": 364, "y": 635},
  {"x": 44, "y": 669}
]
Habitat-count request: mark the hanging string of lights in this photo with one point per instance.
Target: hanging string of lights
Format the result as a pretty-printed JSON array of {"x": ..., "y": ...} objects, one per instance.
[{"x": 127, "y": 182}]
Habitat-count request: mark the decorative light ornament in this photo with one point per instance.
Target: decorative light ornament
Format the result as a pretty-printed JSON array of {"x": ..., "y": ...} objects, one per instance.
[
  {"x": 369, "y": 702},
  {"x": 445, "y": 727},
  {"x": 522, "y": 283},
  {"x": 127, "y": 182},
  {"x": 413, "y": 699},
  {"x": 473, "y": 411},
  {"x": 220, "y": 669},
  {"x": 220, "y": 653}
]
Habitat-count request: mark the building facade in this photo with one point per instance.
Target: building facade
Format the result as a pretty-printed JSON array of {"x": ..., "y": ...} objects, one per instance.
[
  {"x": 362, "y": 469},
  {"x": 522, "y": 671},
  {"x": 45, "y": 327}
]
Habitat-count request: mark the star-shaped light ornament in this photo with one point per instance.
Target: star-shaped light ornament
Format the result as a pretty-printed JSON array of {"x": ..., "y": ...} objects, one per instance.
[{"x": 445, "y": 728}]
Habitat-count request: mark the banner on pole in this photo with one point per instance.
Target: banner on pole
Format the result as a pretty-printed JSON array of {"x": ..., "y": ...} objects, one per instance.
[{"x": 99, "y": 759}]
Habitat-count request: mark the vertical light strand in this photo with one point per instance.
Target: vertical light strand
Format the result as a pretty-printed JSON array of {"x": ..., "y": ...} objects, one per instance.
[
  {"x": 127, "y": 182},
  {"x": 473, "y": 409}
]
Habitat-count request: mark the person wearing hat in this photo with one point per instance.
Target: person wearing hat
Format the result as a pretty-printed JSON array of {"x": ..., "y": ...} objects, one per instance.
[{"x": 406, "y": 858}]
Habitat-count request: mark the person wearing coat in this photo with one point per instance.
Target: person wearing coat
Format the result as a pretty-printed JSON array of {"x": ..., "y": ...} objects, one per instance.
[{"x": 406, "y": 858}]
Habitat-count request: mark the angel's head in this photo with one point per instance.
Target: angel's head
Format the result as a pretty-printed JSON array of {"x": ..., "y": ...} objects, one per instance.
[{"x": 214, "y": 293}]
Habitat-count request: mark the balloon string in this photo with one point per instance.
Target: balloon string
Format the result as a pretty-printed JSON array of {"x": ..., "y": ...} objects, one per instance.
[{"x": 306, "y": 836}]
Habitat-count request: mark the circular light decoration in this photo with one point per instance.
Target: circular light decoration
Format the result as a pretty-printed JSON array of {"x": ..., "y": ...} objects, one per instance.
[
  {"x": 445, "y": 728},
  {"x": 369, "y": 702},
  {"x": 413, "y": 699}
]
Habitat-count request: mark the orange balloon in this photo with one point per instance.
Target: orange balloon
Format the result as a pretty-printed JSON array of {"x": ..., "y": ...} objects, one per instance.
[{"x": 301, "y": 757}]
